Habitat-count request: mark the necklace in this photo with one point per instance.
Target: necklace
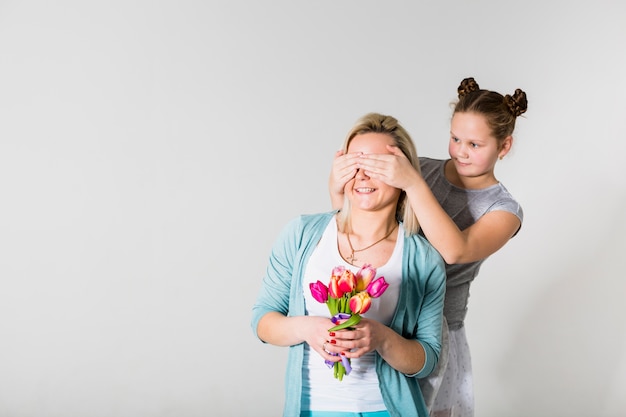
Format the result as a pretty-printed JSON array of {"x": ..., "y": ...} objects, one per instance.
[{"x": 351, "y": 258}]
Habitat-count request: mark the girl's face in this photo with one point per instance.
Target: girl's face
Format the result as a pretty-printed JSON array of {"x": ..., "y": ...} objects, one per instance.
[
  {"x": 472, "y": 147},
  {"x": 364, "y": 192}
]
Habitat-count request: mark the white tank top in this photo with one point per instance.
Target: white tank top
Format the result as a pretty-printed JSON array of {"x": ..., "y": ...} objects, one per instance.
[{"x": 359, "y": 391}]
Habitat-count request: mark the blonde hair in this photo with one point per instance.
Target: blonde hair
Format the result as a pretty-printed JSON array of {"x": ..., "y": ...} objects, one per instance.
[{"x": 380, "y": 123}]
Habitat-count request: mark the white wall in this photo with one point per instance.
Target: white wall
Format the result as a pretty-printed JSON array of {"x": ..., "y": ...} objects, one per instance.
[{"x": 150, "y": 152}]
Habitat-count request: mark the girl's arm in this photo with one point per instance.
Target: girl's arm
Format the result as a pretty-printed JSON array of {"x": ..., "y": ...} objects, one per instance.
[{"x": 476, "y": 242}]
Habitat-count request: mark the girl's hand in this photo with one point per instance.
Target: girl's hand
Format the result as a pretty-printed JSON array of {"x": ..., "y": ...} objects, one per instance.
[
  {"x": 343, "y": 170},
  {"x": 393, "y": 169}
]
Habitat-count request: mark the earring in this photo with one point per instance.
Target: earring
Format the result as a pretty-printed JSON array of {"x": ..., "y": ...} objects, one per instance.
[{"x": 500, "y": 158}]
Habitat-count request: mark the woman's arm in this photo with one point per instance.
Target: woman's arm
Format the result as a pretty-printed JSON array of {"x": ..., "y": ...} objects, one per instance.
[
  {"x": 277, "y": 329},
  {"x": 273, "y": 319}
]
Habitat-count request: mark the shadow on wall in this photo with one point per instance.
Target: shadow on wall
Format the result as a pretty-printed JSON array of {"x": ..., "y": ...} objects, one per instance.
[{"x": 570, "y": 350}]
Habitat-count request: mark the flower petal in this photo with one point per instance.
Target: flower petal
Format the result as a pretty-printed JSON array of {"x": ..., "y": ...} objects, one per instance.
[{"x": 377, "y": 287}]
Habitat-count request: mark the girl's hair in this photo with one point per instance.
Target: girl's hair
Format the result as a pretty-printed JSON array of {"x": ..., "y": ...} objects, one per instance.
[
  {"x": 379, "y": 123},
  {"x": 499, "y": 111}
]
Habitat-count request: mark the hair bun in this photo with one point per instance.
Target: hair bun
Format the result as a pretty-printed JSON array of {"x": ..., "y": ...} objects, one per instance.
[
  {"x": 468, "y": 85},
  {"x": 517, "y": 104}
]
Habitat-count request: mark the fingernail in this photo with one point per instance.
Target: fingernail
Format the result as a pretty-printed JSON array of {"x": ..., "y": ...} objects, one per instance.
[
  {"x": 333, "y": 342},
  {"x": 343, "y": 353},
  {"x": 332, "y": 333}
]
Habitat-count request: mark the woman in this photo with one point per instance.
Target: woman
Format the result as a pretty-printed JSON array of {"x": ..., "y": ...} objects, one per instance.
[
  {"x": 463, "y": 210},
  {"x": 398, "y": 339}
]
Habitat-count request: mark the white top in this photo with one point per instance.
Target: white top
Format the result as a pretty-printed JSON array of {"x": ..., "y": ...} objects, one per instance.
[{"x": 358, "y": 391}]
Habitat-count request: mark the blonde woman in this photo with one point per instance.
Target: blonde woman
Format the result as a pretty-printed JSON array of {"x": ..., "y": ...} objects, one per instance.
[{"x": 398, "y": 339}]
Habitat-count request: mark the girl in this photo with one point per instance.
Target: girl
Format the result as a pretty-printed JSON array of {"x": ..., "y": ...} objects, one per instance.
[{"x": 463, "y": 210}]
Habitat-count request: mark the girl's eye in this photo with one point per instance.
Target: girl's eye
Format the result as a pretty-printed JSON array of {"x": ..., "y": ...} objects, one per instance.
[
  {"x": 455, "y": 139},
  {"x": 474, "y": 145}
]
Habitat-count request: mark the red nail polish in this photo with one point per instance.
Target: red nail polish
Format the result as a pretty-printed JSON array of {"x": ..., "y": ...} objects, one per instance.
[
  {"x": 343, "y": 353},
  {"x": 332, "y": 334},
  {"x": 333, "y": 342}
]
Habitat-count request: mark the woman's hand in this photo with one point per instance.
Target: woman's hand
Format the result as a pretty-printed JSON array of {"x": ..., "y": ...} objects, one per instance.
[
  {"x": 404, "y": 355},
  {"x": 364, "y": 337},
  {"x": 316, "y": 335}
]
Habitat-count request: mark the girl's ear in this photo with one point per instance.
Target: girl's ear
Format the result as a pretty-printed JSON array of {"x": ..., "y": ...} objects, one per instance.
[{"x": 505, "y": 146}]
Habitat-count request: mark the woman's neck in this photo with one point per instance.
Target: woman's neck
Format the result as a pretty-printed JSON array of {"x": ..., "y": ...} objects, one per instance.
[{"x": 371, "y": 226}]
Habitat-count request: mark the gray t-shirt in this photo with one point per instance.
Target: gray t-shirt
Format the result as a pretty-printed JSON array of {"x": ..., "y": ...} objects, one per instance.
[{"x": 465, "y": 207}]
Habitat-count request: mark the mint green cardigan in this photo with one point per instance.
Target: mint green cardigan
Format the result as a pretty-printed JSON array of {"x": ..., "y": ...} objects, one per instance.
[{"x": 418, "y": 316}]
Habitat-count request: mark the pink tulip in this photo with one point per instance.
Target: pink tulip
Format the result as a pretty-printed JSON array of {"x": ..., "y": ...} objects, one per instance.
[
  {"x": 333, "y": 287},
  {"x": 365, "y": 275},
  {"x": 377, "y": 288},
  {"x": 319, "y": 291},
  {"x": 360, "y": 303},
  {"x": 347, "y": 281},
  {"x": 337, "y": 271}
]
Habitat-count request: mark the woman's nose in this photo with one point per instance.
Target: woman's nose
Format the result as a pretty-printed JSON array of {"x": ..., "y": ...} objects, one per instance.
[{"x": 360, "y": 174}]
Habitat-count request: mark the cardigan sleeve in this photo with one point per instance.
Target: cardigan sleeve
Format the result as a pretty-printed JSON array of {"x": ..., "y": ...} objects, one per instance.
[
  {"x": 419, "y": 315},
  {"x": 430, "y": 321},
  {"x": 281, "y": 289},
  {"x": 276, "y": 286}
]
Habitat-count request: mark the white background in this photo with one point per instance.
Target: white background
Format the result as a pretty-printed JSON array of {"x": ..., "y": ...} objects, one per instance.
[{"x": 151, "y": 151}]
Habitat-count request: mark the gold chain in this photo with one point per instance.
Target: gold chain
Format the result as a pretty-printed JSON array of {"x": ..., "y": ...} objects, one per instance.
[{"x": 351, "y": 258}]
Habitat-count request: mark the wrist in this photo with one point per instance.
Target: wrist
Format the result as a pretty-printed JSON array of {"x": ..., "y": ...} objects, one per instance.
[{"x": 415, "y": 184}]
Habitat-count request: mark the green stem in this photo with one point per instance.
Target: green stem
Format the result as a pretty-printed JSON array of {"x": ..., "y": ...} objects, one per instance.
[
  {"x": 354, "y": 319},
  {"x": 332, "y": 306}
]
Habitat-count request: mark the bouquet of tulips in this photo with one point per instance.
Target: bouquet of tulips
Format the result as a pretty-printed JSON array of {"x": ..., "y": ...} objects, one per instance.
[{"x": 347, "y": 296}]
